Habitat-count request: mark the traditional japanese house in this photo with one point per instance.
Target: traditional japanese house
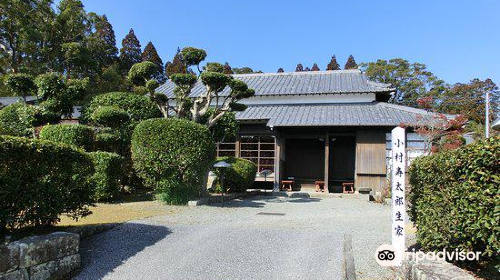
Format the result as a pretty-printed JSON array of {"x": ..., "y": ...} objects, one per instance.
[{"x": 329, "y": 126}]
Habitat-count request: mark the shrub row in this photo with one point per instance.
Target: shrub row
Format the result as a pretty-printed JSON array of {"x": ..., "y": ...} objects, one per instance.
[
  {"x": 81, "y": 136},
  {"x": 40, "y": 180},
  {"x": 454, "y": 199},
  {"x": 173, "y": 156},
  {"x": 240, "y": 176}
]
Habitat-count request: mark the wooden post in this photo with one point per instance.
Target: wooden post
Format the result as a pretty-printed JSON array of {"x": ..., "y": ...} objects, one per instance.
[
  {"x": 327, "y": 160},
  {"x": 277, "y": 158},
  {"x": 237, "y": 147}
]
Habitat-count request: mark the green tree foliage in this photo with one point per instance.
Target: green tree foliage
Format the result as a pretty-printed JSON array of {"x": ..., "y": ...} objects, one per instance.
[
  {"x": 18, "y": 119},
  {"x": 462, "y": 183},
  {"x": 60, "y": 183},
  {"x": 57, "y": 96},
  {"x": 20, "y": 84},
  {"x": 80, "y": 136},
  {"x": 137, "y": 107},
  {"x": 130, "y": 53},
  {"x": 469, "y": 99},
  {"x": 299, "y": 68},
  {"x": 239, "y": 177},
  {"x": 105, "y": 35},
  {"x": 245, "y": 70},
  {"x": 411, "y": 80},
  {"x": 150, "y": 54},
  {"x": 108, "y": 172},
  {"x": 333, "y": 64},
  {"x": 22, "y": 30},
  {"x": 173, "y": 156},
  {"x": 351, "y": 63}
]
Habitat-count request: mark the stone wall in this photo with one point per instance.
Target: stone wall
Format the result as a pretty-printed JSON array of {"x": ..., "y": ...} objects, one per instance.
[
  {"x": 434, "y": 270},
  {"x": 52, "y": 256}
]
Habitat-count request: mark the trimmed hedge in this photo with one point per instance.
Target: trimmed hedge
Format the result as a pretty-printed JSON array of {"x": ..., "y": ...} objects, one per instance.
[
  {"x": 40, "y": 180},
  {"x": 172, "y": 154},
  {"x": 110, "y": 116},
  {"x": 81, "y": 136},
  {"x": 18, "y": 119},
  {"x": 240, "y": 176},
  {"x": 138, "y": 107},
  {"x": 454, "y": 199},
  {"x": 108, "y": 172}
]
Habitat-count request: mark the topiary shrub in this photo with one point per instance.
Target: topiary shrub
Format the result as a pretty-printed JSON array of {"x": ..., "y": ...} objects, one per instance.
[
  {"x": 108, "y": 172},
  {"x": 138, "y": 107},
  {"x": 172, "y": 156},
  {"x": 81, "y": 136},
  {"x": 18, "y": 119},
  {"x": 454, "y": 199},
  {"x": 240, "y": 176},
  {"x": 110, "y": 116},
  {"x": 40, "y": 180}
]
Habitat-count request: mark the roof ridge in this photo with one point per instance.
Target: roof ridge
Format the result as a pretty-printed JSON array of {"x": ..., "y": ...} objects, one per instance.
[{"x": 344, "y": 71}]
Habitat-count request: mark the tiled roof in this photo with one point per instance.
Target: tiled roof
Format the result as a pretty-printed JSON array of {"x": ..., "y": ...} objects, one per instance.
[
  {"x": 349, "y": 114},
  {"x": 295, "y": 83},
  {"x": 5, "y": 101}
]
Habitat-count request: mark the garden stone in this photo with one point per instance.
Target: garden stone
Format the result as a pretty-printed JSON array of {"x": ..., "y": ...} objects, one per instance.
[
  {"x": 39, "y": 249},
  {"x": 20, "y": 274},
  {"x": 9, "y": 257},
  {"x": 58, "y": 269}
]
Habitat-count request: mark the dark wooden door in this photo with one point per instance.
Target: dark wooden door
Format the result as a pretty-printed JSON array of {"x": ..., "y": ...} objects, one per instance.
[
  {"x": 342, "y": 158},
  {"x": 305, "y": 159}
]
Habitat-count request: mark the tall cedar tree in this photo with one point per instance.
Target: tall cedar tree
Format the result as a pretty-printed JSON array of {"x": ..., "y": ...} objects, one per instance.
[
  {"x": 299, "y": 68},
  {"x": 280, "y": 70},
  {"x": 315, "y": 67},
  {"x": 351, "y": 63},
  {"x": 130, "y": 53},
  {"x": 227, "y": 69},
  {"x": 177, "y": 66},
  {"x": 333, "y": 65},
  {"x": 105, "y": 33},
  {"x": 150, "y": 54}
]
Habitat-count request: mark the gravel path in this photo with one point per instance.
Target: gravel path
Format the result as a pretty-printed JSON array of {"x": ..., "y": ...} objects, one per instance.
[{"x": 256, "y": 238}]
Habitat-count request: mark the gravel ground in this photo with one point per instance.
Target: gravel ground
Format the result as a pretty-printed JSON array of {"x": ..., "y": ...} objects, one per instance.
[{"x": 254, "y": 238}]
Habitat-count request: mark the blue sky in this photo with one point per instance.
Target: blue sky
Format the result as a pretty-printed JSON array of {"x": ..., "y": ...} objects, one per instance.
[{"x": 457, "y": 40}]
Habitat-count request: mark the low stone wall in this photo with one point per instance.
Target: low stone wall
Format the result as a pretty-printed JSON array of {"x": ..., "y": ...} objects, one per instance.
[
  {"x": 51, "y": 256},
  {"x": 434, "y": 270}
]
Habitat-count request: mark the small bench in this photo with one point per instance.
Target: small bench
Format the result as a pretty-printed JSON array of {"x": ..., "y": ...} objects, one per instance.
[
  {"x": 348, "y": 187},
  {"x": 287, "y": 185},
  {"x": 320, "y": 186}
]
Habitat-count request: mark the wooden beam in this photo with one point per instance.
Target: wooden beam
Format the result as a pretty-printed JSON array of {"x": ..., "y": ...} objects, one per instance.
[{"x": 327, "y": 160}]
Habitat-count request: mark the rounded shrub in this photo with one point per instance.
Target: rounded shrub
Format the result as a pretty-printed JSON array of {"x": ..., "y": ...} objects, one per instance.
[
  {"x": 110, "y": 116},
  {"x": 108, "y": 172},
  {"x": 81, "y": 136},
  {"x": 40, "y": 180},
  {"x": 18, "y": 119},
  {"x": 240, "y": 176},
  {"x": 172, "y": 154},
  {"x": 138, "y": 107},
  {"x": 454, "y": 199}
]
